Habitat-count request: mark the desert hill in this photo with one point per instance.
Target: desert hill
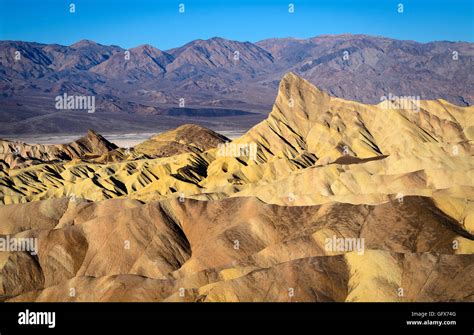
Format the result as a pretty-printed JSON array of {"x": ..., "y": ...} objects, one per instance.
[
  {"x": 123, "y": 250},
  {"x": 18, "y": 154},
  {"x": 186, "y": 138},
  {"x": 204, "y": 219},
  {"x": 416, "y": 153}
]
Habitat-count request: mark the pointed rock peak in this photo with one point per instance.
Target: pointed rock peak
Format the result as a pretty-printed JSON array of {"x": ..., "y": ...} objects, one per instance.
[
  {"x": 95, "y": 138},
  {"x": 294, "y": 87},
  {"x": 290, "y": 77},
  {"x": 293, "y": 79},
  {"x": 92, "y": 133}
]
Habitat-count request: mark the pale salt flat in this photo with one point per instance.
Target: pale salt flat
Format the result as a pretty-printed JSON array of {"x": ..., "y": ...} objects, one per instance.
[{"x": 121, "y": 140}]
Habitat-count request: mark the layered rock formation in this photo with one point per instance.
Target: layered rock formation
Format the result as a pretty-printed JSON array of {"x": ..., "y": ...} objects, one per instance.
[
  {"x": 326, "y": 200},
  {"x": 17, "y": 154}
]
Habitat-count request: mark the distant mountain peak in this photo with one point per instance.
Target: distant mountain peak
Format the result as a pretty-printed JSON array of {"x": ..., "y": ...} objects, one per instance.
[
  {"x": 217, "y": 38},
  {"x": 144, "y": 61},
  {"x": 145, "y": 47},
  {"x": 149, "y": 50},
  {"x": 83, "y": 43}
]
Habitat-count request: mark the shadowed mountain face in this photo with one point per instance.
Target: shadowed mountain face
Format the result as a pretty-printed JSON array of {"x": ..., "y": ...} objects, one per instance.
[
  {"x": 216, "y": 73},
  {"x": 325, "y": 200}
]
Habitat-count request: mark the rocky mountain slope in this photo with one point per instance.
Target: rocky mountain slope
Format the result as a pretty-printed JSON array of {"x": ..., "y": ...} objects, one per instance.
[
  {"x": 217, "y": 73},
  {"x": 250, "y": 219}
]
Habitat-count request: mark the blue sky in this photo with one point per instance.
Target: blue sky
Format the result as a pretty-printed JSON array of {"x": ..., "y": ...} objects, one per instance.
[{"x": 134, "y": 22}]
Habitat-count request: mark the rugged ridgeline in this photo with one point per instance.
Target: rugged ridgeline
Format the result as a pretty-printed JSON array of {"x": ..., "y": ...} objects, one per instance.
[
  {"x": 138, "y": 88},
  {"x": 204, "y": 225},
  {"x": 94, "y": 148},
  {"x": 14, "y": 154}
]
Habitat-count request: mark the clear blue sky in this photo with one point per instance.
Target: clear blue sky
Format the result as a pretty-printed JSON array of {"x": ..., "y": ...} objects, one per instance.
[{"x": 134, "y": 22}]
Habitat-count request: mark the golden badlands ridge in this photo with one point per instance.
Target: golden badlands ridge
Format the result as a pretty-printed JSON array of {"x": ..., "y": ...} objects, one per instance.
[{"x": 182, "y": 217}]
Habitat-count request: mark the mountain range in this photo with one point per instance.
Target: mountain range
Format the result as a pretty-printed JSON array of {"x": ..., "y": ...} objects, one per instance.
[{"x": 221, "y": 83}]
